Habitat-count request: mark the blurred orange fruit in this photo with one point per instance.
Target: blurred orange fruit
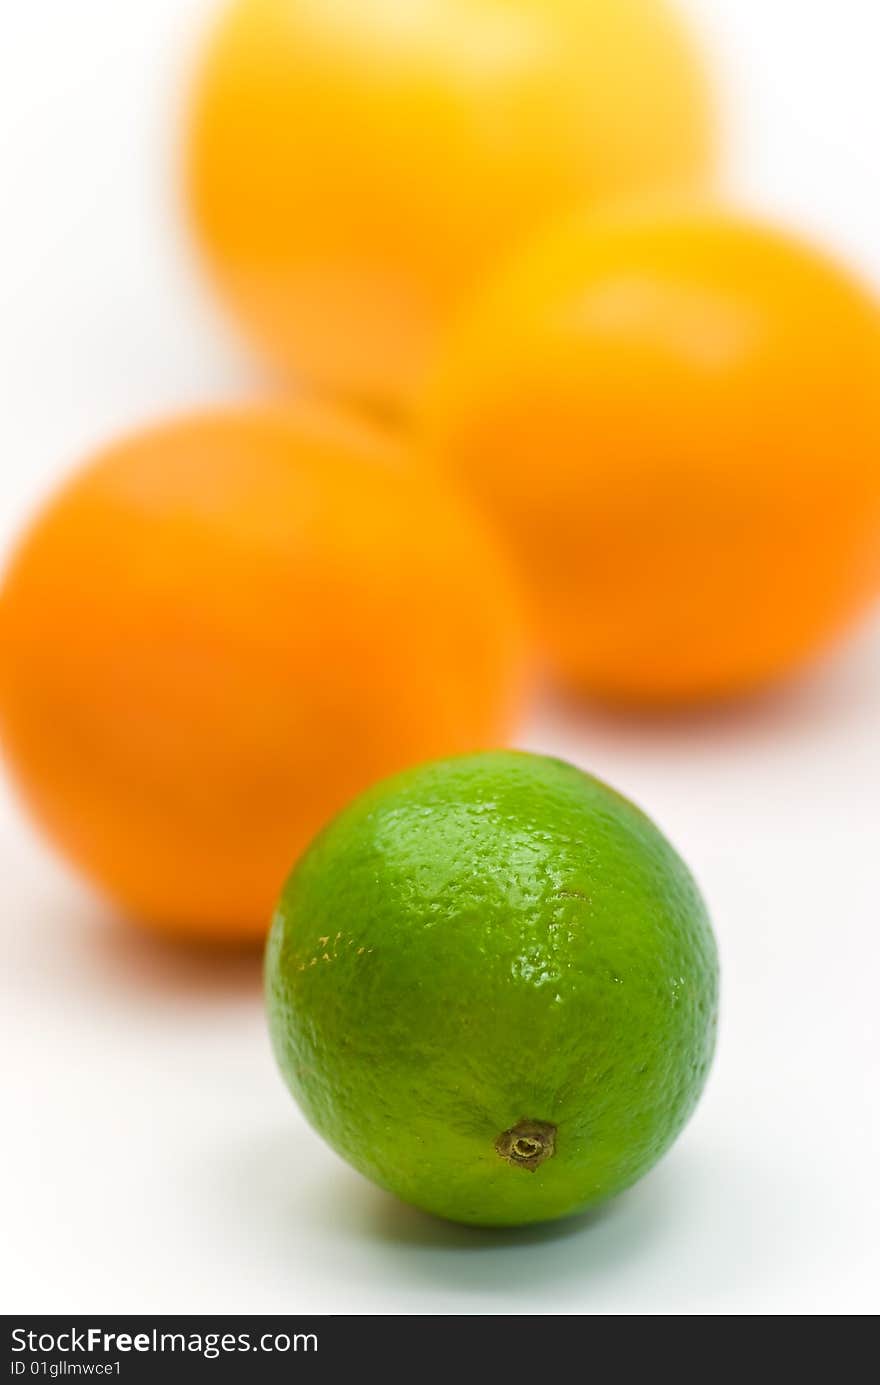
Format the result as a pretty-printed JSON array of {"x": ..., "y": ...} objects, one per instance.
[
  {"x": 674, "y": 417},
  {"x": 355, "y": 166},
  {"x": 223, "y": 629}
]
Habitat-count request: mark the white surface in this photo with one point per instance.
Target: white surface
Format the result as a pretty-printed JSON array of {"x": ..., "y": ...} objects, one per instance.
[{"x": 151, "y": 1158}]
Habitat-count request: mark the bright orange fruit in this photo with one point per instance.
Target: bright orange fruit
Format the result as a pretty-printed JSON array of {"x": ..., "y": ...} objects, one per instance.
[
  {"x": 224, "y": 628},
  {"x": 354, "y": 167},
  {"x": 674, "y": 417}
]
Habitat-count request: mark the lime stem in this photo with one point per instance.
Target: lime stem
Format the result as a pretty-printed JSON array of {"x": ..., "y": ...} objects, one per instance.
[{"x": 527, "y": 1144}]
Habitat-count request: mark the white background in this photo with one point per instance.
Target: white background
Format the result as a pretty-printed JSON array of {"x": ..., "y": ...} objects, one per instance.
[{"x": 152, "y": 1160}]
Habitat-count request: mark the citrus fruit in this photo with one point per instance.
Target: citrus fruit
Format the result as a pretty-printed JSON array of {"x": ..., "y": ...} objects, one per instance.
[
  {"x": 673, "y": 415},
  {"x": 223, "y": 628},
  {"x": 353, "y": 166},
  {"x": 492, "y": 987}
]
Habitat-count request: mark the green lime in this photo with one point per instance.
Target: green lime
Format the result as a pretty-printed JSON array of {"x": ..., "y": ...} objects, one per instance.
[{"x": 492, "y": 987}]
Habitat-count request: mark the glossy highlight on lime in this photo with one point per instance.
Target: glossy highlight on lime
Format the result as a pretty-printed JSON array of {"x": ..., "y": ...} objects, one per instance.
[{"x": 492, "y": 987}]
